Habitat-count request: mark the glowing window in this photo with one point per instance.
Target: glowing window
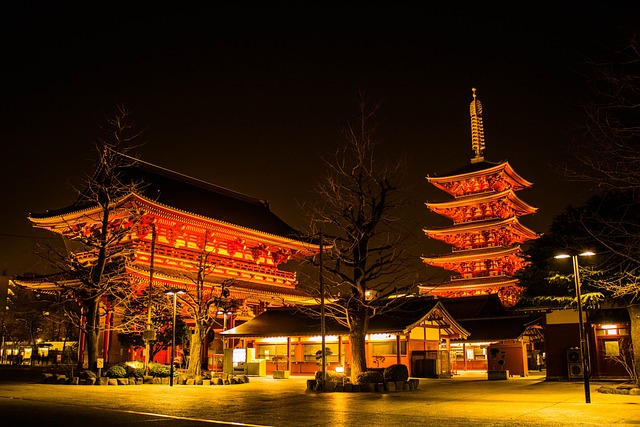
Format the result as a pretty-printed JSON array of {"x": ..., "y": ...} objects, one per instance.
[{"x": 611, "y": 348}]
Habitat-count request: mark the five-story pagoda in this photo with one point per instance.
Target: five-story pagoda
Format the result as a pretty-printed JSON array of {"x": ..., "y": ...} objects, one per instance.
[{"x": 486, "y": 233}]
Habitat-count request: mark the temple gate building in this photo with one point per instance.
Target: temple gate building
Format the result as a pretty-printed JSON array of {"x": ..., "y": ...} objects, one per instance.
[{"x": 179, "y": 219}]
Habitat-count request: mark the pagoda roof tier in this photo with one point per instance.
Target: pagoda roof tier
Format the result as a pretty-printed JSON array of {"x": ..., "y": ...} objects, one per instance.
[
  {"x": 241, "y": 287},
  {"x": 519, "y": 233},
  {"x": 473, "y": 254},
  {"x": 477, "y": 283},
  {"x": 185, "y": 197},
  {"x": 505, "y": 287},
  {"x": 451, "y": 208},
  {"x": 502, "y": 176}
]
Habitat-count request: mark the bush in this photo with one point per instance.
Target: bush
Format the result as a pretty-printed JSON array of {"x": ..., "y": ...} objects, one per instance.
[
  {"x": 331, "y": 376},
  {"x": 116, "y": 371},
  {"x": 370, "y": 377},
  {"x": 161, "y": 371},
  {"x": 87, "y": 374},
  {"x": 135, "y": 368},
  {"x": 397, "y": 372}
]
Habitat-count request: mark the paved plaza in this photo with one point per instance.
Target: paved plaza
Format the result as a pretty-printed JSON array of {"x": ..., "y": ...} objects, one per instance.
[{"x": 465, "y": 400}]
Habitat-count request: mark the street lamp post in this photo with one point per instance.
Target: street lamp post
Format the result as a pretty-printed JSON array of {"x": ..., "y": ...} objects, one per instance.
[
  {"x": 149, "y": 333},
  {"x": 584, "y": 349},
  {"x": 174, "y": 293},
  {"x": 322, "y": 317}
]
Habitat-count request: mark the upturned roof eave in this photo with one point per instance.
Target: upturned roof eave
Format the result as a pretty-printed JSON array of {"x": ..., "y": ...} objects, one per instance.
[
  {"x": 57, "y": 217},
  {"x": 459, "y": 175},
  {"x": 479, "y": 198},
  {"x": 480, "y": 226},
  {"x": 472, "y": 254}
]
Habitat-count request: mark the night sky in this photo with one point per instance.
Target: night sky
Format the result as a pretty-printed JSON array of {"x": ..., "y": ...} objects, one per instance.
[{"x": 250, "y": 97}]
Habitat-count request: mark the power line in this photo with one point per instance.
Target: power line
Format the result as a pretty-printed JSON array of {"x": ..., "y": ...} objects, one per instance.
[{"x": 22, "y": 236}]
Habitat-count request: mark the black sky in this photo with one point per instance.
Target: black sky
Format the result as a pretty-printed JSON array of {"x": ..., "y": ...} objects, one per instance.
[{"x": 248, "y": 96}]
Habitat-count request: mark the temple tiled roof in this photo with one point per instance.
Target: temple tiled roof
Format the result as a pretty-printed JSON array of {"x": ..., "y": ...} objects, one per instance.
[
  {"x": 194, "y": 196},
  {"x": 291, "y": 321},
  {"x": 474, "y": 307},
  {"x": 486, "y": 318},
  {"x": 503, "y": 328}
]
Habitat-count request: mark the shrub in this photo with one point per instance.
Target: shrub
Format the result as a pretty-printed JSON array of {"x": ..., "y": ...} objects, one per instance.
[
  {"x": 370, "y": 377},
  {"x": 397, "y": 372},
  {"x": 87, "y": 374},
  {"x": 327, "y": 352},
  {"x": 135, "y": 368},
  {"x": 116, "y": 371},
  {"x": 331, "y": 376},
  {"x": 161, "y": 371}
]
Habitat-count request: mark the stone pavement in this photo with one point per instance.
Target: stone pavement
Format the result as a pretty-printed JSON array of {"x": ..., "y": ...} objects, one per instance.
[{"x": 464, "y": 400}]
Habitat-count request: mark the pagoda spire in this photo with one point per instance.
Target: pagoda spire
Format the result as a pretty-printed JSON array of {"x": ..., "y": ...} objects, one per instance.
[{"x": 477, "y": 129}]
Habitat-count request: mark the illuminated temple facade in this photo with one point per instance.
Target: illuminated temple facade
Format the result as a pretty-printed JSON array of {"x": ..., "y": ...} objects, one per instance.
[
  {"x": 180, "y": 219},
  {"x": 486, "y": 234}
]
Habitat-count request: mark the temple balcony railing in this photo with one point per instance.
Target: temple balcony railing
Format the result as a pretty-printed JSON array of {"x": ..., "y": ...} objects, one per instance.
[{"x": 173, "y": 257}]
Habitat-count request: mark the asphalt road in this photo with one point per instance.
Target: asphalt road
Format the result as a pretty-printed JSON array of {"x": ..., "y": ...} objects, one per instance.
[{"x": 465, "y": 400}]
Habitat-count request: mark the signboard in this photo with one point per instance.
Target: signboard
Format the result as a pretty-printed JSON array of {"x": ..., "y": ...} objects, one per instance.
[{"x": 100, "y": 363}]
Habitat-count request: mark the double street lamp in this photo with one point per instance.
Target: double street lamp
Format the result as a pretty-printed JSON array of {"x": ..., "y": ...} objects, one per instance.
[
  {"x": 174, "y": 293},
  {"x": 584, "y": 349}
]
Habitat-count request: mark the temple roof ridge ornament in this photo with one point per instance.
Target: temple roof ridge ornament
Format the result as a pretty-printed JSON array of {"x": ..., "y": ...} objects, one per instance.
[{"x": 477, "y": 129}]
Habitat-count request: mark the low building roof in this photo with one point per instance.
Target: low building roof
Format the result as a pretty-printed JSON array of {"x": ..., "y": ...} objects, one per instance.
[
  {"x": 292, "y": 321},
  {"x": 503, "y": 328},
  {"x": 474, "y": 307}
]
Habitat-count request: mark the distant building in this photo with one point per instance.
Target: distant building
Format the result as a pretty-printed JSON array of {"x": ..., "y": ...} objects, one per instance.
[{"x": 486, "y": 233}]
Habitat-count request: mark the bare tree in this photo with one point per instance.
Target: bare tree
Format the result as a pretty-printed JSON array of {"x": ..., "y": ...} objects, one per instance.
[
  {"x": 202, "y": 302},
  {"x": 609, "y": 157},
  {"x": 359, "y": 213},
  {"x": 134, "y": 322},
  {"x": 92, "y": 263}
]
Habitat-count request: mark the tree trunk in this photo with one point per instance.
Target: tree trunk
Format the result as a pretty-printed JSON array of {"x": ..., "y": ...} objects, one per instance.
[
  {"x": 358, "y": 350},
  {"x": 195, "y": 352},
  {"x": 92, "y": 332},
  {"x": 634, "y": 315}
]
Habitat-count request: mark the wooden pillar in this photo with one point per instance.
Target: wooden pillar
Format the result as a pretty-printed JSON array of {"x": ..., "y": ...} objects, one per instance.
[
  {"x": 398, "y": 352},
  {"x": 289, "y": 354},
  {"x": 464, "y": 355},
  {"x": 424, "y": 336}
]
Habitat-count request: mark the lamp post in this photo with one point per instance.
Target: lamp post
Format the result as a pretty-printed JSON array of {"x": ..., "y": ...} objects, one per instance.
[
  {"x": 586, "y": 370},
  {"x": 322, "y": 316},
  {"x": 174, "y": 293},
  {"x": 149, "y": 333}
]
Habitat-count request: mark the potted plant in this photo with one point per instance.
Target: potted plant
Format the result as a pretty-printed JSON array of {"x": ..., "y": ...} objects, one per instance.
[
  {"x": 320, "y": 382},
  {"x": 280, "y": 373}
]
